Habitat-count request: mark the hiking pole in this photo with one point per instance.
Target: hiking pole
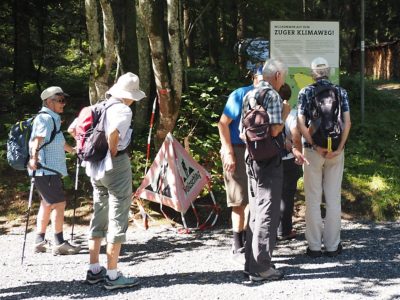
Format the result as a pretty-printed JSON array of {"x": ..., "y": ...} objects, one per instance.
[
  {"x": 149, "y": 137},
  {"x": 27, "y": 215},
  {"x": 75, "y": 192},
  {"x": 138, "y": 201}
]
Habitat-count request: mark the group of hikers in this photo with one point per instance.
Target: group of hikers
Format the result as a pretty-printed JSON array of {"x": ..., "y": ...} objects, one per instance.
[{"x": 260, "y": 192}]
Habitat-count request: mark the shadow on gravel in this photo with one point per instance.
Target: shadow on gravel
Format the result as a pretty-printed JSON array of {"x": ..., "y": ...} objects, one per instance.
[
  {"x": 370, "y": 259},
  {"x": 81, "y": 290}
]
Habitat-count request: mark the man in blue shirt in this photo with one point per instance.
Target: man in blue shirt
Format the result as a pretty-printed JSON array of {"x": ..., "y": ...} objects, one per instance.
[
  {"x": 49, "y": 183},
  {"x": 232, "y": 155}
]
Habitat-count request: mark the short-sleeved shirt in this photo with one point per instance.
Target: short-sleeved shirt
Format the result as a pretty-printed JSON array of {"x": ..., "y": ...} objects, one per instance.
[
  {"x": 272, "y": 102},
  {"x": 306, "y": 94},
  {"x": 119, "y": 116},
  {"x": 291, "y": 122},
  {"x": 233, "y": 110},
  {"x": 51, "y": 156}
]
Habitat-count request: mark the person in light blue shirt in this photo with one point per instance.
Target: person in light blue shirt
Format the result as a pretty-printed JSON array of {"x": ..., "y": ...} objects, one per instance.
[
  {"x": 47, "y": 164},
  {"x": 232, "y": 155}
]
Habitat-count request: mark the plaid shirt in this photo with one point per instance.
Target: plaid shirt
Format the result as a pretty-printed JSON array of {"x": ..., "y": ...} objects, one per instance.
[
  {"x": 306, "y": 94},
  {"x": 51, "y": 156},
  {"x": 272, "y": 102}
]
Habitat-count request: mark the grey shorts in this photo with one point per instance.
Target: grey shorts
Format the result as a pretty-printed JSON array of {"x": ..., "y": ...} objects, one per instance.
[
  {"x": 236, "y": 183},
  {"x": 50, "y": 188}
]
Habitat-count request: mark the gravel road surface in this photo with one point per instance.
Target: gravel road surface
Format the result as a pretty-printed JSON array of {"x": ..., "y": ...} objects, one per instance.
[{"x": 199, "y": 266}]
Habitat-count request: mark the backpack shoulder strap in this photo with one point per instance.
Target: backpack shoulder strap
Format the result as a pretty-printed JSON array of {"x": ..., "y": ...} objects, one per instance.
[
  {"x": 261, "y": 95},
  {"x": 54, "y": 132}
]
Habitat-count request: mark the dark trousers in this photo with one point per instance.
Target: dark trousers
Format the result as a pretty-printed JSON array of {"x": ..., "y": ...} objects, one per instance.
[
  {"x": 291, "y": 174},
  {"x": 265, "y": 183}
]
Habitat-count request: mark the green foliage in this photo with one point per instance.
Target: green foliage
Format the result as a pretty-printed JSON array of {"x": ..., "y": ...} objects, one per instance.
[{"x": 371, "y": 176}]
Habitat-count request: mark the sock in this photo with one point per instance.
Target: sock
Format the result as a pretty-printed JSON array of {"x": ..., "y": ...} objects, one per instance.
[
  {"x": 236, "y": 241},
  {"x": 39, "y": 238},
  {"x": 112, "y": 274},
  {"x": 95, "y": 268},
  {"x": 59, "y": 238}
]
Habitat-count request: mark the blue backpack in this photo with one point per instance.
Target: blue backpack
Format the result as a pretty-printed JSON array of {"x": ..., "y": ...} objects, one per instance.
[{"x": 18, "y": 142}]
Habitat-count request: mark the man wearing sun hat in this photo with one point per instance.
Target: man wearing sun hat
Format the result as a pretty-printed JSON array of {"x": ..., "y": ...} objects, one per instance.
[
  {"x": 47, "y": 147},
  {"x": 112, "y": 186}
]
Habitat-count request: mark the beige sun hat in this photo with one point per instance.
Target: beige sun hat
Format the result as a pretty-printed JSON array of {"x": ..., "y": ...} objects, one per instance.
[
  {"x": 319, "y": 63},
  {"x": 51, "y": 91},
  {"x": 127, "y": 87}
]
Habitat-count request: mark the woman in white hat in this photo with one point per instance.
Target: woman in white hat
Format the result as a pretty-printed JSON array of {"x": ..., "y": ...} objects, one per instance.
[{"x": 112, "y": 186}]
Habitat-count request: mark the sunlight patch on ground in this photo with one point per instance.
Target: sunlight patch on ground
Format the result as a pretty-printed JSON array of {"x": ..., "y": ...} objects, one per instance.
[{"x": 378, "y": 183}]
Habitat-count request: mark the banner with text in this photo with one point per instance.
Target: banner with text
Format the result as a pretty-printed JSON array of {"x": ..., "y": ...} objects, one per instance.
[{"x": 297, "y": 43}]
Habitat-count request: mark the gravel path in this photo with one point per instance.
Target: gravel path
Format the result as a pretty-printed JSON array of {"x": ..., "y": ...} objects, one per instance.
[{"x": 198, "y": 266}]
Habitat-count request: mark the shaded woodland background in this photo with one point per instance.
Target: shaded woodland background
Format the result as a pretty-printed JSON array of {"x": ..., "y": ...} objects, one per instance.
[{"x": 184, "y": 48}]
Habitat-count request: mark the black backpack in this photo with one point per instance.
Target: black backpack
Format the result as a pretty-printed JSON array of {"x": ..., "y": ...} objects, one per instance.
[
  {"x": 326, "y": 124},
  {"x": 18, "y": 142},
  {"x": 260, "y": 144}
]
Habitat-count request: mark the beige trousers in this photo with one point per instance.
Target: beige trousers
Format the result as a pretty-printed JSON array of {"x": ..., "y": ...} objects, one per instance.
[{"x": 323, "y": 177}]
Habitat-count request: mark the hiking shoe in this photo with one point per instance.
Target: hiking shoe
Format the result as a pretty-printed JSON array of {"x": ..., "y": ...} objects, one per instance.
[
  {"x": 41, "y": 247},
  {"x": 93, "y": 278},
  {"x": 336, "y": 252},
  {"x": 120, "y": 282},
  {"x": 65, "y": 249},
  {"x": 313, "y": 254},
  {"x": 290, "y": 236},
  {"x": 269, "y": 275}
]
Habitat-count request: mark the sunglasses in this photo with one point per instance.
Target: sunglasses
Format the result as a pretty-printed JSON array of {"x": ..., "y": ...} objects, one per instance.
[{"x": 60, "y": 100}]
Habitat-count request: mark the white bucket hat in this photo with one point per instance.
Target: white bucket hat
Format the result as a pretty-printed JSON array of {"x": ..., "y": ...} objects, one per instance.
[
  {"x": 127, "y": 87},
  {"x": 319, "y": 63},
  {"x": 51, "y": 91}
]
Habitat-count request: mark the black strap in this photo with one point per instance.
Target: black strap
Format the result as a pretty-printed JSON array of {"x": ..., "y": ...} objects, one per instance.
[
  {"x": 261, "y": 95},
  {"x": 53, "y": 133}
]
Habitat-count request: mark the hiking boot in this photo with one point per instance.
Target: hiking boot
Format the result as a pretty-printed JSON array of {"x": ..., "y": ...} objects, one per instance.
[
  {"x": 65, "y": 249},
  {"x": 93, "y": 278},
  {"x": 120, "y": 282},
  {"x": 269, "y": 275},
  {"x": 41, "y": 247},
  {"x": 290, "y": 236},
  {"x": 336, "y": 252},
  {"x": 313, "y": 254}
]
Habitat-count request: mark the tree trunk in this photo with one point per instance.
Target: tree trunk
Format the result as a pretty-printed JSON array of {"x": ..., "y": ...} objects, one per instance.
[
  {"x": 169, "y": 95},
  {"x": 141, "y": 120},
  {"x": 188, "y": 34},
  {"x": 23, "y": 61},
  {"x": 213, "y": 41},
  {"x": 124, "y": 13},
  {"x": 102, "y": 55}
]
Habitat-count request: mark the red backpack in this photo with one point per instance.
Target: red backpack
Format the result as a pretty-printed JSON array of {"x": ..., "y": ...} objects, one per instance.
[{"x": 91, "y": 140}]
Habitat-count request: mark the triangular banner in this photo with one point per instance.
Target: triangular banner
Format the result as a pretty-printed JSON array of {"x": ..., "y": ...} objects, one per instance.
[{"x": 174, "y": 179}]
